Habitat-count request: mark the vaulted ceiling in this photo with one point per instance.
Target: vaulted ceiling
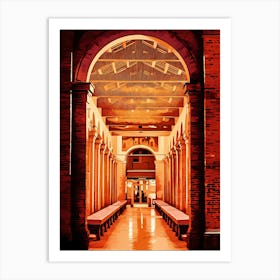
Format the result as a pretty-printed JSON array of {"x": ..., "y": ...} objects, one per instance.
[{"x": 140, "y": 87}]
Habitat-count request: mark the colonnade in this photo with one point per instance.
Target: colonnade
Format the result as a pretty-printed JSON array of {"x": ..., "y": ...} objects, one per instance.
[
  {"x": 95, "y": 181},
  {"x": 176, "y": 174},
  {"x": 101, "y": 173}
]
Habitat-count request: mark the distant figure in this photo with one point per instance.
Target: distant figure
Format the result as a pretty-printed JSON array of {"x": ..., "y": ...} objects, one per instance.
[{"x": 142, "y": 194}]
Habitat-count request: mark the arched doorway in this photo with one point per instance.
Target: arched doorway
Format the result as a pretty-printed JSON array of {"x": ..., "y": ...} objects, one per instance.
[{"x": 140, "y": 174}]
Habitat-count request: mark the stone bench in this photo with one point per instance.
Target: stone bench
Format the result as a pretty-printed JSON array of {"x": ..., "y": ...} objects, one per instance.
[
  {"x": 99, "y": 221},
  {"x": 158, "y": 204},
  {"x": 122, "y": 205},
  {"x": 175, "y": 218}
]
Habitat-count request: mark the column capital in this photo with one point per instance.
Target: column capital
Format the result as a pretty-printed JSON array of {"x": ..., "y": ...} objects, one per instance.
[
  {"x": 102, "y": 147},
  {"x": 185, "y": 138},
  {"x": 91, "y": 136},
  {"x": 179, "y": 144},
  {"x": 83, "y": 87},
  {"x": 174, "y": 150},
  {"x": 98, "y": 140},
  {"x": 107, "y": 150}
]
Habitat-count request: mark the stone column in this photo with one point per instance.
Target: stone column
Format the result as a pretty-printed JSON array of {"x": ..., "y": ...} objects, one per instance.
[
  {"x": 175, "y": 174},
  {"x": 106, "y": 176},
  {"x": 172, "y": 178},
  {"x": 90, "y": 170},
  {"x": 185, "y": 174},
  {"x": 132, "y": 195},
  {"x": 102, "y": 166},
  {"x": 114, "y": 180},
  {"x": 165, "y": 183},
  {"x": 80, "y": 235},
  {"x": 93, "y": 168},
  {"x": 159, "y": 165},
  {"x": 196, "y": 196},
  {"x": 97, "y": 144},
  {"x": 121, "y": 178},
  {"x": 179, "y": 175},
  {"x": 168, "y": 192},
  {"x": 111, "y": 178}
]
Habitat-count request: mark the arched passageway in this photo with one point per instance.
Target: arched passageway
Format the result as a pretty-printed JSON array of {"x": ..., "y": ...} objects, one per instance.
[
  {"x": 140, "y": 174},
  {"x": 151, "y": 90}
]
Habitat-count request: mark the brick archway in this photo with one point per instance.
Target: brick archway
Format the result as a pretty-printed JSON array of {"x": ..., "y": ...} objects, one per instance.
[
  {"x": 85, "y": 45},
  {"x": 90, "y": 44}
]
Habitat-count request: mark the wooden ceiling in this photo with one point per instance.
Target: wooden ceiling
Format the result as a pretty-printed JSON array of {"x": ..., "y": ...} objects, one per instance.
[{"x": 140, "y": 87}]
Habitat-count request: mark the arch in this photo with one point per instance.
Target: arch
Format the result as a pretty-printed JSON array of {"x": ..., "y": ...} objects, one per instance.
[
  {"x": 140, "y": 163},
  {"x": 136, "y": 37},
  {"x": 139, "y": 147},
  {"x": 91, "y": 44}
]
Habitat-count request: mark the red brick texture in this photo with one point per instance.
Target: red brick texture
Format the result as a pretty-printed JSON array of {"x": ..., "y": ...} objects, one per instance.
[
  {"x": 196, "y": 188},
  {"x": 66, "y": 43},
  {"x": 211, "y": 46},
  {"x": 78, "y": 180}
]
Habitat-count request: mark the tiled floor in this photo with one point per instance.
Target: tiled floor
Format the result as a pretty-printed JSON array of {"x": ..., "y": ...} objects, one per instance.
[{"x": 138, "y": 228}]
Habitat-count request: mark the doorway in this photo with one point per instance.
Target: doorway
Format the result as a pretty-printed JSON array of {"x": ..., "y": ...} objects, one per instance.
[{"x": 140, "y": 191}]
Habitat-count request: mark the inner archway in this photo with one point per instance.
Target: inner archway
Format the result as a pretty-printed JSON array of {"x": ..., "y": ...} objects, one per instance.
[{"x": 140, "y": 174}]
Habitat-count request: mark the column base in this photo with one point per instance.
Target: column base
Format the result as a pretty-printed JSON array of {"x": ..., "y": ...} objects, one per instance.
[
  {"x": 80, "y": 239},
  {"x": 195, "y": 241},
  {"x": 65, "y": 242},
  {"x": 211, "y": 240}
]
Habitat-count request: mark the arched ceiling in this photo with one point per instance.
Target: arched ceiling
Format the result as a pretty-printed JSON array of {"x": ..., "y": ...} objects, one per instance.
[{"x": 140, "y": 87}]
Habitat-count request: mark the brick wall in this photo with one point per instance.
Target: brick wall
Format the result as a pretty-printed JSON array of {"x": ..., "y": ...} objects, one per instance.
[
  {"x": 211, "y": 45},
  {"x": 66, "y": 42}
]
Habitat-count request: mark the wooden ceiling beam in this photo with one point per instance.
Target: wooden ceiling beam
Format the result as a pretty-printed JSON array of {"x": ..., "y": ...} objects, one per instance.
[
  {"x": 139, "y": 113},
  {"x": 127, "y": 95},
  {"x": 149, "y": 121},
  {"x": 140, "y": 133},
  {"x": 130, "y": 54},
  {"x": 142, "y": 107},
  {"x": 139, "y": 104},
  {"x": 138, "y": 70},
  {"x": 109, "y": 60},
  {"x": 126, "y": 121},
  {"x": 139, "y": 122},
  {"x": 173, "y": 81},
  {"x": 168, "y": 128}
]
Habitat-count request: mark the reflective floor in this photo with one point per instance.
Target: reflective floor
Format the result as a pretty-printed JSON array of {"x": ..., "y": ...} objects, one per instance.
[{"x": 138, "y": 228}]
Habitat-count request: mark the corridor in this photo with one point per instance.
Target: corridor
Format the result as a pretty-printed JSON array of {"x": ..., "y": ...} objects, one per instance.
[
  {"x": 138, "y": 228},
  {"x": 140, "y": 120}
]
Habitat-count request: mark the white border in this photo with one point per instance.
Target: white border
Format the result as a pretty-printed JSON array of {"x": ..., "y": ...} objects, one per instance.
[{"x": 55, "y": 25}]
